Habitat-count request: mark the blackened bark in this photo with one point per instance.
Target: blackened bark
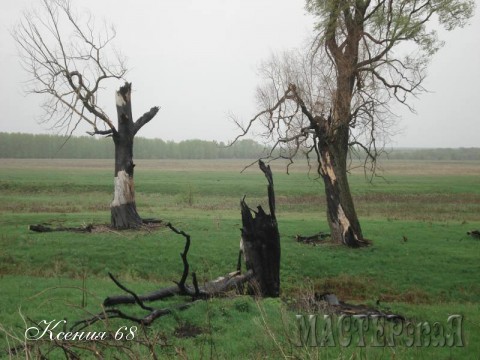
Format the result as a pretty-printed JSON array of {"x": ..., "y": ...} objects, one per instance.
[
  {"x": 341, "y": 215},
  {"x": 312, "y": 239},
  {"x": 261, "y": 244},
  {"x": 124, "y": 213}
]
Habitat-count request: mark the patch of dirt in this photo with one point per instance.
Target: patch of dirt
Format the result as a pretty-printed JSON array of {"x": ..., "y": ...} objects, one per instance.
[
  {"x": 328, "y": 303},
  {"x": 187, "y": 330},
  {"x": 355, "y": 289},
  {"x": 411, "y": 296},
  {"x": 347, "y": 287},
  {"x": 106, "y": 228}
]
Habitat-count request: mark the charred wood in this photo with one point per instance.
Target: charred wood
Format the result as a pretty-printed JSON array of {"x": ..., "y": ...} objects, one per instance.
[
  {"x": 313, "y": 239},
  {"x": 474, "y": 233},
  {"x": 260, "y": 243},
  {"x": 194, "y": 292},
  {"x": 43, "y": 228}
]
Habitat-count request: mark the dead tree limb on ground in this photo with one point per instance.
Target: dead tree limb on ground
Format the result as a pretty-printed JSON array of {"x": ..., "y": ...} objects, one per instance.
[
  {"x": 45, "y": 228},
  {"x": 194, "y": 292},
  {"x": 474, "y": 233},
  {"x": 312, "y": 239}
]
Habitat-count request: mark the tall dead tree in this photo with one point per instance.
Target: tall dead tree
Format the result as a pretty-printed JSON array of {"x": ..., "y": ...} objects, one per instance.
[
  {"x": 123, "y": 208},
  {"x": 69, "y": 63},
  {"x": 334, "y": 97}
]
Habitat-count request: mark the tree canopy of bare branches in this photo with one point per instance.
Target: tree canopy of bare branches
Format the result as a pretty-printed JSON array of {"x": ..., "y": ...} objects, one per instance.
[{"x": 69, "y": 62}]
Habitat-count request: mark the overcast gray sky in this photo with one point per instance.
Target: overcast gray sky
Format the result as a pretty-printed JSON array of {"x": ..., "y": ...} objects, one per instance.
[{"x": 197, "y": 60}]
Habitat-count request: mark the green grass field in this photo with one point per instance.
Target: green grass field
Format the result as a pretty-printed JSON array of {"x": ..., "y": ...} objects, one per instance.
[{"x": 433, "y": 274}]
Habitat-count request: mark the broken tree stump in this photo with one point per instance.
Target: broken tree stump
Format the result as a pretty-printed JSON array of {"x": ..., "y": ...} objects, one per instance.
[{"x": 260, "y": 243}]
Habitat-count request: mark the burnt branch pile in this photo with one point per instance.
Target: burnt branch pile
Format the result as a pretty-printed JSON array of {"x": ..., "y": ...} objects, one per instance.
[{"x": 193, "y": 292}]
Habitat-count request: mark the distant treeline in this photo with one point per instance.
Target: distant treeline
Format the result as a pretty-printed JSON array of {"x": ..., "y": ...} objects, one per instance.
[
  {"x": 445, "y": 154},
  {"x": 17, "y": 145}
]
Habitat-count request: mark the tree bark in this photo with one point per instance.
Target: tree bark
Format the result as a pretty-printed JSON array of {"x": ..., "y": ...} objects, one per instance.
[
  {"x": 341, "y": 214},
  {"x": 260, "y": 244},
  {"x": 124, "y": 213}
]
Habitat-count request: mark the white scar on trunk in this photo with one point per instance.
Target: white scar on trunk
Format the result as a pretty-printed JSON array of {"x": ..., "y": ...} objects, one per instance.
[
  {"x": 344, "y": 222},
  {"x": 119, "y": 99},
  {"x": 242, "y": 247},
  {"x": 124, "y": 192},
  {"x": 327, "y": 168}
]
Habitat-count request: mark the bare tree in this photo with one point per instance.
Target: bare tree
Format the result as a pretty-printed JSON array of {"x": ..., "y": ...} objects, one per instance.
[
  {"x": 70, "y": 62},
  {"x": 336, "y": 95}
]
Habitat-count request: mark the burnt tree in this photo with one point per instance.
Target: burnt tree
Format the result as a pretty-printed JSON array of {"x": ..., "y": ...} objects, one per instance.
[
  {"x": 123, "y": 208},
  {"x": 69, "y": 63},
  {"x": 260, "y": 243}
]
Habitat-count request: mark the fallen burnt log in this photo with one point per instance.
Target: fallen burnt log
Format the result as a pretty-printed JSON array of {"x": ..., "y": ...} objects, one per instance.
[
  {"x": 43, "y": 228},
  {"x": 474, "y": 233},
  {"x": 313, "y": 239},
  {"x": 217, "y": 287},
  {"x": 194, "y": 292},
  {"x": 260, "y": 246},
  {"x": 148, "y": 221}
]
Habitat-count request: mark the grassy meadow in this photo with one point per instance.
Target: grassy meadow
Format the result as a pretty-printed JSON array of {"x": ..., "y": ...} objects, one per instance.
[{"x": 421, "y": 263}]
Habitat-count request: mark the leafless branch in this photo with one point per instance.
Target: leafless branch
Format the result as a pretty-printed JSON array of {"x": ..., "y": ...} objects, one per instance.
[
  {"x": 145, "y": 118},
  {"x": 69, "y": 62}
]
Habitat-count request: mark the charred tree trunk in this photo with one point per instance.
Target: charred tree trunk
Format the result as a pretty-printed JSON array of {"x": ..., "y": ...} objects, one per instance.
[
  {"x": 341, "y": 215},
  {"x": 124, "y": 213},
  {"x": 260, "y": 244},
  {"x": 123, "y": 208}
]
